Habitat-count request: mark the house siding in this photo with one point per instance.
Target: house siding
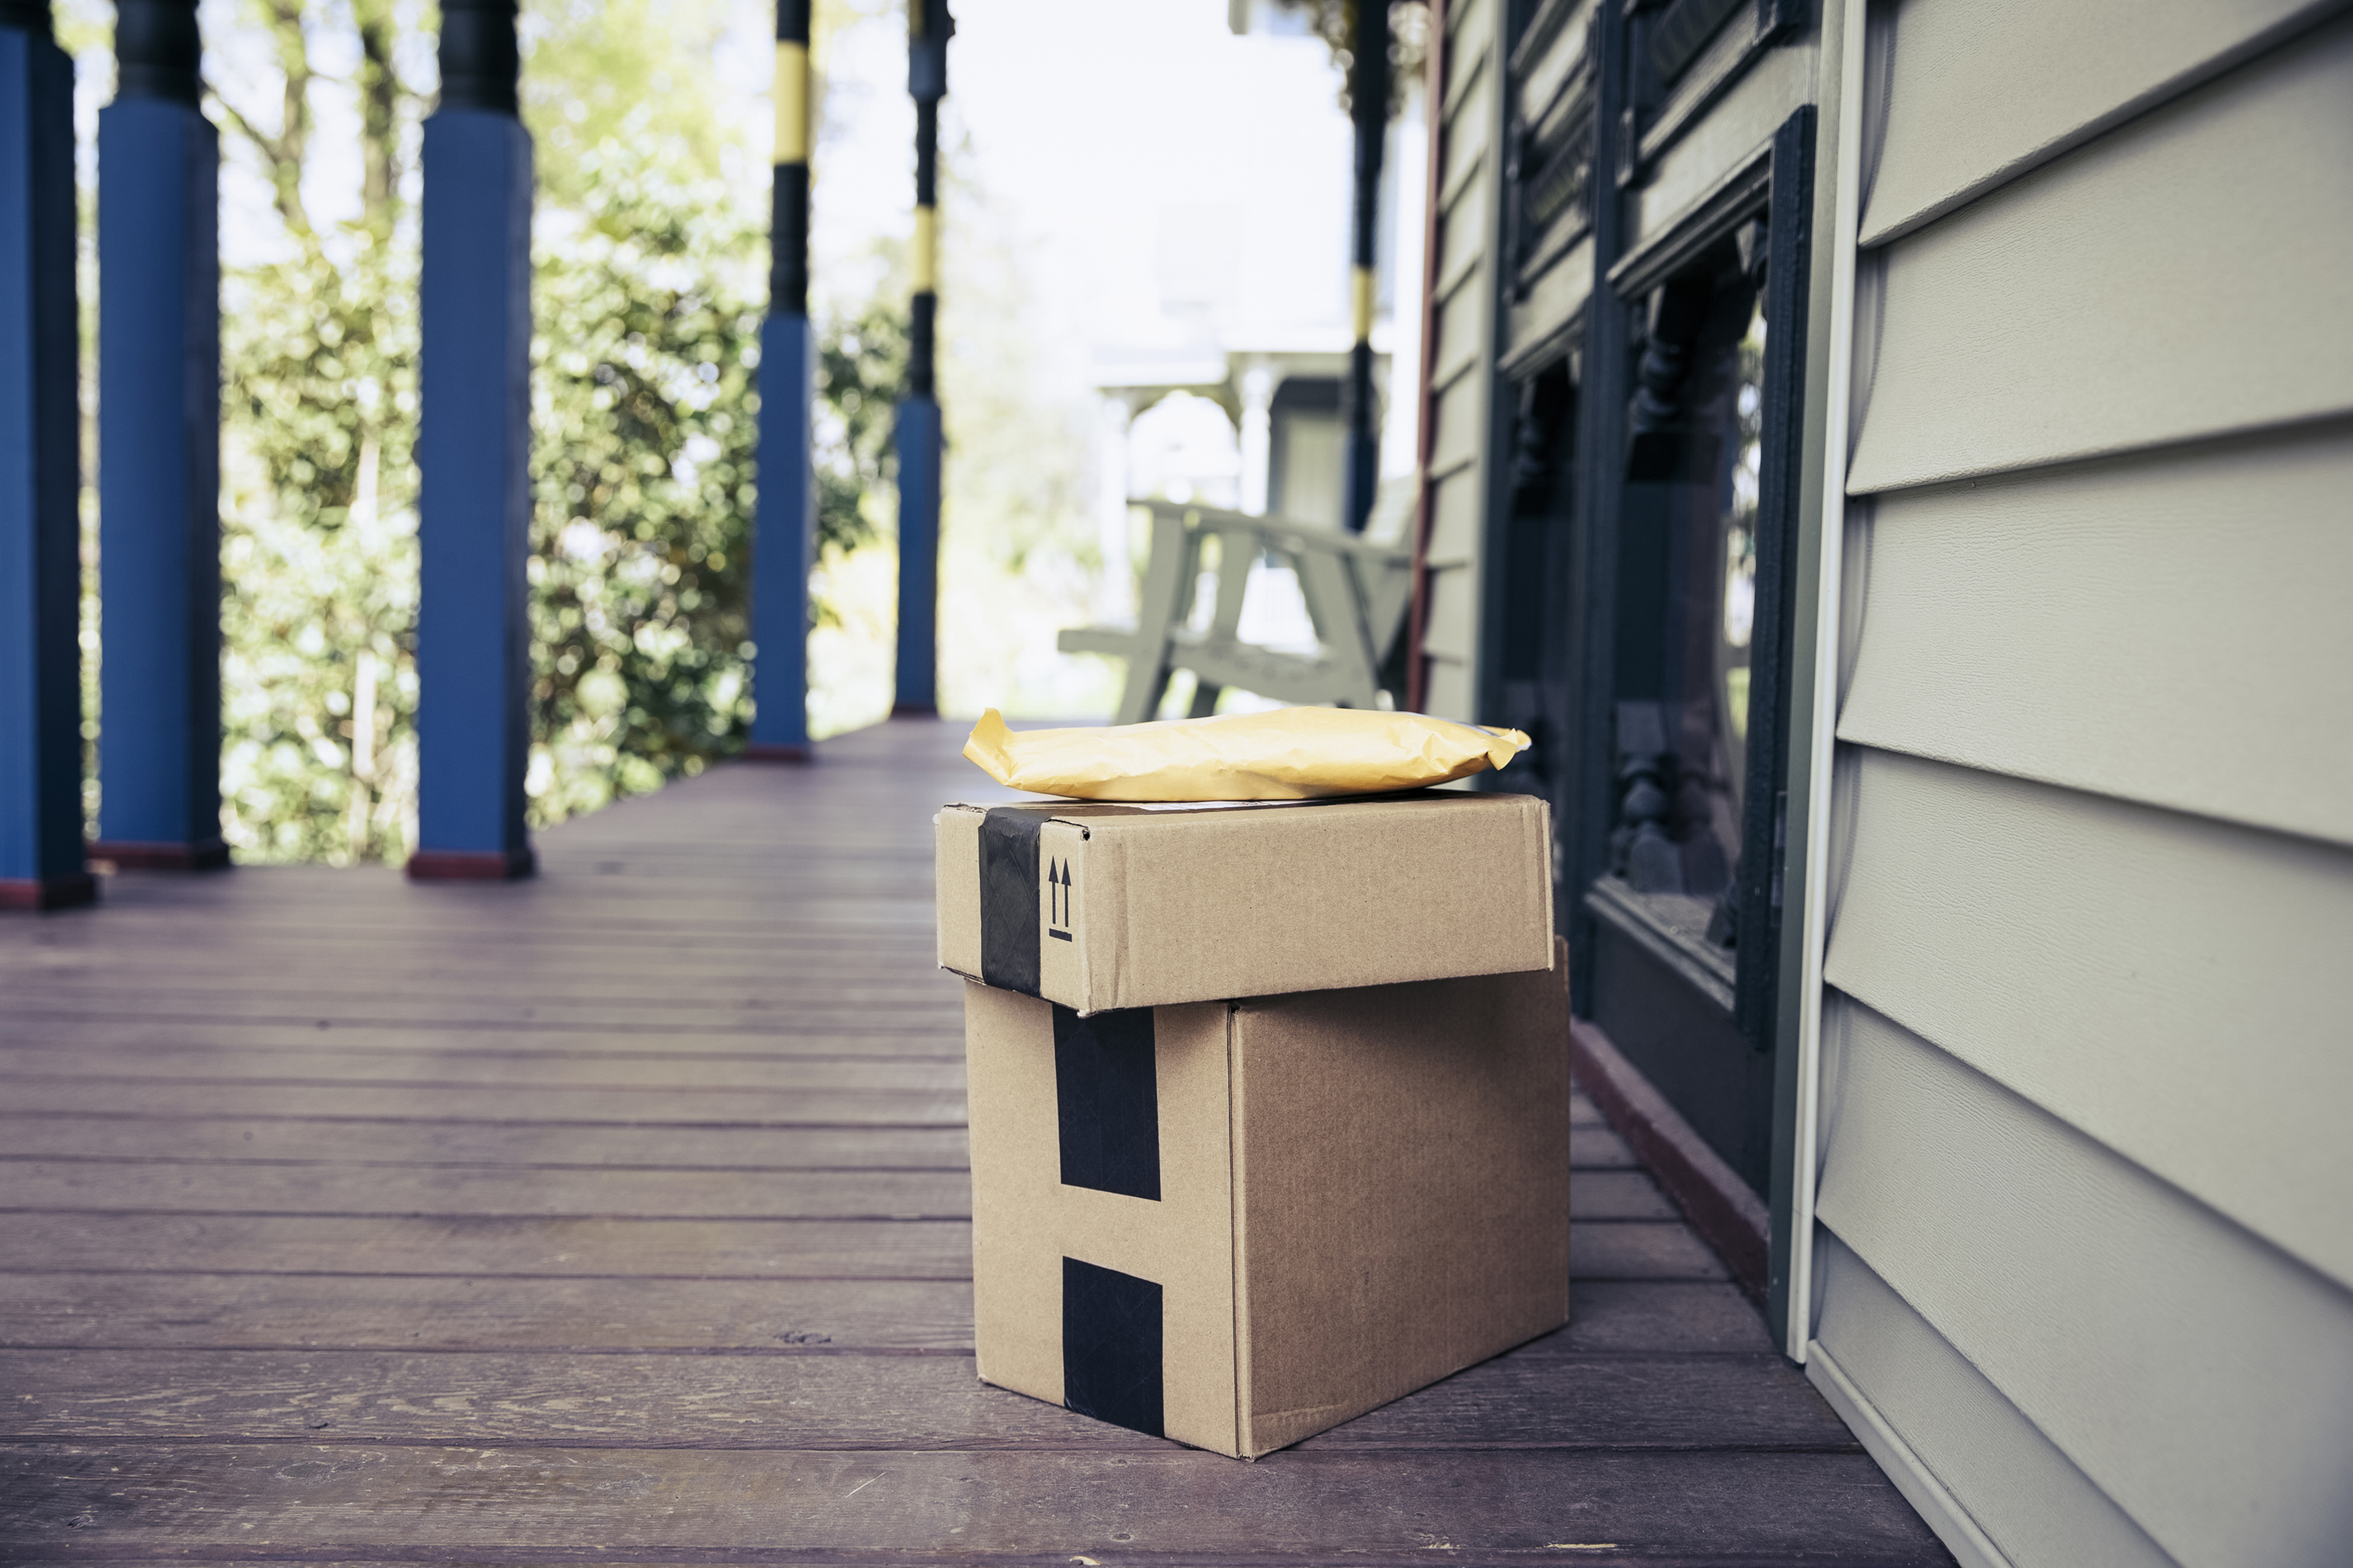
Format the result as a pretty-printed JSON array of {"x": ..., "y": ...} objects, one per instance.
[
  {"x": 1462, "y": 360},
  {"x": 2081, "y": 1169}
]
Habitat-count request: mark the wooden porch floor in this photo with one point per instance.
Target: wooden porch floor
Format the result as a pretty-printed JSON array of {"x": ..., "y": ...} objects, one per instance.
[{"x": 618, "y": 1216}]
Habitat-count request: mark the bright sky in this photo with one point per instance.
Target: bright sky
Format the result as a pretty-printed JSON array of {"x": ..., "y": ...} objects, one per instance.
[{"x": 1087, "y": 127}]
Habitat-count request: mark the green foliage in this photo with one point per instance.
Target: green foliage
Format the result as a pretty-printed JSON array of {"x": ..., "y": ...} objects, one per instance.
[
  {"x": 647, "y": 291},
  {"x": 320, "y": 557},
  {"x": 861, "y": 364},
  {"x": 644, "y": 440}
]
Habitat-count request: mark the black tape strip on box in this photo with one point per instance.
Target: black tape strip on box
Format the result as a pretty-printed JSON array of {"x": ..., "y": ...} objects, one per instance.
[
  {"x": 1111, "y": 1347},
  {"x": 1107, "y": 1101},
  {"x": 1008, "y": 899}
]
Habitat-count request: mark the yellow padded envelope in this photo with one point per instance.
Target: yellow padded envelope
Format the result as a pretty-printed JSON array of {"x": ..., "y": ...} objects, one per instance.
[{"x": 1292, "y": 754}]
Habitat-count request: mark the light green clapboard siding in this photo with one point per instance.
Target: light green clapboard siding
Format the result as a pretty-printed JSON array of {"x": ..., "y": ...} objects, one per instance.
[
  {"x": 2065, "y": 624},
  {"x": 1554, "y": 300},
  {"x": 1462, "y": 360},
  {"x": 2084, "y": 1056},
  {"x": 1470, "y": 34},
  {"x": 2027, "y": 1496},
  {"x": 2200, "y": 1378},
  {"x": 1736, "y": 129},
  {"x": 2182, "y": 276},
  {"x": 1461, "y": 237},
  {"x": 1984, "y": 91},
  {"x": 1465, "y": 346},
  {"x": 1454, "y": 516},
  {"x": 2167, "y": 982}
]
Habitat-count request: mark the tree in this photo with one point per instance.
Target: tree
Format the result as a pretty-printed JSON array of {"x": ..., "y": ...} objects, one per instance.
[{"x": 648, "y": 269}]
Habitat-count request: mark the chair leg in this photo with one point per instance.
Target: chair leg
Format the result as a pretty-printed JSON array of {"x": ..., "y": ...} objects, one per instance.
[{"x": 1205, "y": 700}]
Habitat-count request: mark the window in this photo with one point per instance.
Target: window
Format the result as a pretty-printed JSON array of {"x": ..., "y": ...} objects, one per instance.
[{"x": 1688, "y": 558}]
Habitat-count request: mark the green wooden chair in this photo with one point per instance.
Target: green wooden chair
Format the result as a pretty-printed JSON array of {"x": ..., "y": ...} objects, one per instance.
[{"x": 1358, "y": 588}]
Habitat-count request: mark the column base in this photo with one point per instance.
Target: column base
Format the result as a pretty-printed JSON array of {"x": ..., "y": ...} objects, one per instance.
[
  {"x": 72, "y": 890},
  {"x": 134, "y": 855},
  {"x": 472, "y": 865},
  {"x": 757, "y": 752},
  {"x": 914, "y": 710}
]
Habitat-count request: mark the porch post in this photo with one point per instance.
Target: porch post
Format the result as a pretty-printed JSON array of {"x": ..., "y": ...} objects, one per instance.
[
  {"x": 929, "y": 28},
  {"x": 159, "y": 449},
  {"x": 473, "y": 448},
  {"x": 40, "y": 566},
  {"x": 784, "y": 527},
  {"x": 1368, "y": 107}
]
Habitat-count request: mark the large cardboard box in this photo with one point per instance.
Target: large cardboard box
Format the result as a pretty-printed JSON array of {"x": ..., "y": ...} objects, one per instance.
[
  {"x": 1100, "y": 907},
  {"x": 1237, "y": 1224}
]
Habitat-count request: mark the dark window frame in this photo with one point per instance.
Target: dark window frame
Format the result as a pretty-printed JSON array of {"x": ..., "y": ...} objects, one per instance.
[{"x": 1774, "y": 189}]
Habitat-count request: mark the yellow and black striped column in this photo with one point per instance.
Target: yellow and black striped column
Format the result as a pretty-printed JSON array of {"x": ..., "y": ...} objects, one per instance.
[
  {"x": 929, "y": 28},
  {"x": 1368, "y": 108},
  {"x": 784, "y": 528}
]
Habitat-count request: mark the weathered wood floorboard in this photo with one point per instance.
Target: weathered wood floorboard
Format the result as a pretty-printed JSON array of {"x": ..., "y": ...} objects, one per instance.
[
  {"x": 584, "y": 1317},
  {"x": 182, "y": 1186},
  {"x": 380, "y": 1142},
  {"x": 843, "y": 1402},
  {"x": 619, "y": 1217},
  {"x": 1095, "y": 1500}
]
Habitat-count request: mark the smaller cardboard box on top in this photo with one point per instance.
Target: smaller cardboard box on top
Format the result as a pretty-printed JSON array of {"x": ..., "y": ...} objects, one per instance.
[
  {"x": 1268, "y": 1104},
  {"x": 1095, "y": 906}
]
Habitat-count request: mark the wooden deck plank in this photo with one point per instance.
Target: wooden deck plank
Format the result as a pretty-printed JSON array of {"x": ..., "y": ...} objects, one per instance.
[
  {"x": 595, "y": 1317},
  {"x": 375, "y": 1142},
  {"x": 714, "y": 1106},
  {"x": 1302, "y": 1504},
  {"x": 348, "y": 1068},
  {"x": 186, "y": 1187},
  {"x": 814, "y": 1402},
  {"x": 508, "y": 1244},
  {"x": 570, "y": 1206},
  {"x": 522, "y": 1244},
  {"x": 171, "y": 1186},
  {"x": 558, "y": 1318}
]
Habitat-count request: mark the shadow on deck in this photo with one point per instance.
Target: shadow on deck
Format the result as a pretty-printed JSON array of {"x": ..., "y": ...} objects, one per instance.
[{"x": 617, "y": 1215}]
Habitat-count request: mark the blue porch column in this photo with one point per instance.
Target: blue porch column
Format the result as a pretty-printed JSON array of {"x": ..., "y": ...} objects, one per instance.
[
  {"x": 473, "y": 451},
  {"x": 159, "y": 450},
  {"x": 783, "y": 538},
  {"x": 917, "y": 432},
  {"x": 1368, "y": 110},
  {"x": 40, "y": 566}
]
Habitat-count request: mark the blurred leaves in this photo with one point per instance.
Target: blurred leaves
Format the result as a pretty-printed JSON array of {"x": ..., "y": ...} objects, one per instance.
[
  {"x": 649, "y": 285},
  {"x": 644, "y": 441}
]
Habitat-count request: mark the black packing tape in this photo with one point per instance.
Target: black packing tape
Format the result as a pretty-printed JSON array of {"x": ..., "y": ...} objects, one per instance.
[
  {"x": 1111, "y": 1347},
  {"x": 1008, "y": 899},
  {"x": 1107, "y": 1100}
]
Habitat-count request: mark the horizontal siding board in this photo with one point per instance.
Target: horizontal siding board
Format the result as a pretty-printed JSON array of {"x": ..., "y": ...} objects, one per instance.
[
  {"x": 2027, "y": 1496},
  {"x": 1470, "y": 29},
  {"x": 1721, "y": 142},
  {"x": 1454, "y": 516},
  {"x": 2175, "y": 278},
  {"x": 1982, "y": 91},
  {"x": 1555, "y": 299},
  {"x": 2171, "y": 985},
  {"x": 2199, "y": 1378},
  {"x": 1467, "y": 230},
  {"x": 1447, "y": 690},
  {"x": 2065, "y": 625},
  {"x": 1452, "y": 622},
  {"x": 1469, "y": 134},
  {"x": 1459, "y": 419},
  {"x": 1542, "y": 77}
]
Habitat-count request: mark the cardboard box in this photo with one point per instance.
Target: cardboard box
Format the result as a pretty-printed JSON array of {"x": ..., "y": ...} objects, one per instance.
[
  {"x": 1100, "y": 907},
  {"x": 1237, "y": 1224}
]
